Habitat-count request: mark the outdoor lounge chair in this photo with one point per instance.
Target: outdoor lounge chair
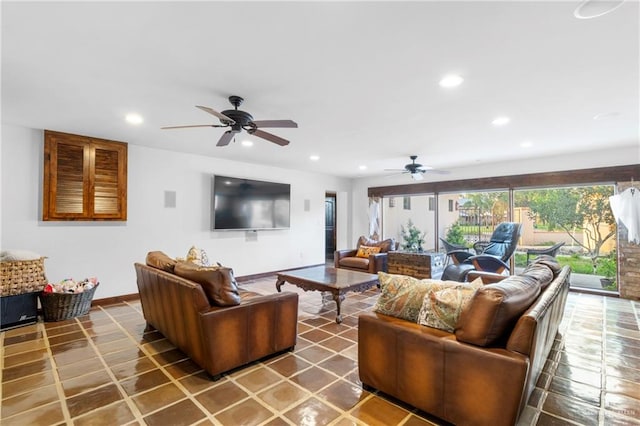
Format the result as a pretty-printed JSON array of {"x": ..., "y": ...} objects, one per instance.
[{"x": 493, "y": 257}]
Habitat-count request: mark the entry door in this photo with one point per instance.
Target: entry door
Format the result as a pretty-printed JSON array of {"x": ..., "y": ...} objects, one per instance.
[{"x": 329, "y": 225}]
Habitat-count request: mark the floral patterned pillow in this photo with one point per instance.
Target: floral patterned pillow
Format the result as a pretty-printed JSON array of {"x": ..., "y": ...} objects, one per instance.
[
  {"x": 197, "y": 256},
  {"x": 442, "y": 308},
  {"x": 402, "y": 296}
]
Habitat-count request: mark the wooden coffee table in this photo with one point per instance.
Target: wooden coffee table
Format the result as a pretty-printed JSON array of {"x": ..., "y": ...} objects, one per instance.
[{"x": 325, "y": 278}]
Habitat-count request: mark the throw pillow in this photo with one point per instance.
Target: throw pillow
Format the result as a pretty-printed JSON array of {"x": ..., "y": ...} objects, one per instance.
[
  {"x": 197, "y": 256},
  {"x": 402, "y": 296},
  {"x": 218, "y": 282},
  {"x": 365, "y": 251},
  {"x": 17, "y": 255},
  {"x": 442, "y": 308},
  {"x": 159, "y": 260}
]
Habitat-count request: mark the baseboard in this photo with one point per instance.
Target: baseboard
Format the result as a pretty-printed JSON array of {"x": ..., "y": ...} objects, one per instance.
[
  {"x": 245, "y": 278},
  {"x": 115, "y": 299},
  {"x": 136, "y": 296}
]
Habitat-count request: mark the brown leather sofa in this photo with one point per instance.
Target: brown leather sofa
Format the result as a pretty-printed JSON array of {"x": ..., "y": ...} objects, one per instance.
[
  {"x": 478, "y": 375},
  {"x": 217, "y": 338},
  {"x": 374, "y": 263}
]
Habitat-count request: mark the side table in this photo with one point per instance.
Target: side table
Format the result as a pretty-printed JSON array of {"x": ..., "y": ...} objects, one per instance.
[{"x": 416, "y": 264}]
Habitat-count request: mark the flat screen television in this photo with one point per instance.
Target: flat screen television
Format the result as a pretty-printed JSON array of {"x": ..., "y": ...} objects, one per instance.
[{"x": 246, "y": 204}]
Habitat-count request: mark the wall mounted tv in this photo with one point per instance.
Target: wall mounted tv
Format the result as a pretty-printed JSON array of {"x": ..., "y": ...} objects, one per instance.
[{"x": 245, "y": 204}]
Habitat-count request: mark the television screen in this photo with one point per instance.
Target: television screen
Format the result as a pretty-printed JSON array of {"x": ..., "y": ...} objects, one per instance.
[{"x": 250, "y": 204}]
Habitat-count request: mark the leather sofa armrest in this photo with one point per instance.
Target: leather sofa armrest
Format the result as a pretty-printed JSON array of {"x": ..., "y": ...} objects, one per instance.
[
  {"x": 486, "y": 277},
  {"x": 377, "y": 263},
  {"x": 339, "y": 254},
  {"x": 484, "y": 262}
]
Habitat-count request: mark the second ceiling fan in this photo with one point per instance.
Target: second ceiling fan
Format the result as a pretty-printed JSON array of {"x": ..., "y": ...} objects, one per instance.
[
  {"x": 416, "y": 169},
  {"x": 238, "y": 120}
]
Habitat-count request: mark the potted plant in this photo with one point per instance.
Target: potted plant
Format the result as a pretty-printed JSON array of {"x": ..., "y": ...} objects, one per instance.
[
  {"x": 413, "y": 238},
  {"x": 607, "y": 268}
]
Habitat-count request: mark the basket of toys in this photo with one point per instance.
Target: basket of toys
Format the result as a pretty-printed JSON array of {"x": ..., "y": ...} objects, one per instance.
[{"x": 68, "y": 299}]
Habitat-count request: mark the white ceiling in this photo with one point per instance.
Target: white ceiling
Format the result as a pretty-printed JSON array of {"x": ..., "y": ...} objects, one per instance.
[{"x": 360, "y": 78}]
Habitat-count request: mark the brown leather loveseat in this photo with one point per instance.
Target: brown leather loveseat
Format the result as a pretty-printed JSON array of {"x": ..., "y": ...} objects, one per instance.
[
  {"x": 482, "y": 373},
  {"x": 369, "y": 263},
  {"x": 217, "y": 338}
]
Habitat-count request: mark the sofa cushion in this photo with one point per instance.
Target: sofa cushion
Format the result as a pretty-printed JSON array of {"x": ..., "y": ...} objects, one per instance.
[
  {"x": 441, "y": 309},
  {"x": 354, "y": 262},
  {"x": 495, "y": 308},
  {"x": 159, "y": 260},
  {"x": 541, "y": 272},
  {"x": 366, "y": 251},
  {"x": 548, "y": 261},
  {"x": 402, "y": 296},
  {"x": 218, "y": 282},
  {"x": 385, "y": 245}
]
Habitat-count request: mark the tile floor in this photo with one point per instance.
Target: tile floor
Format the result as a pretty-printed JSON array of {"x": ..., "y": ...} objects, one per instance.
[{"x": 105, "y": 368}]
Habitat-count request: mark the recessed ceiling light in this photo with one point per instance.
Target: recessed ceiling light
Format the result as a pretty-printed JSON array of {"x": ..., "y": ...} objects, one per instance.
[
  {"x": 247, "y": 143},
  {"x": 134, "y": 118},
  {"x": 589, "y": 9},
  {"x": 314, "y": 157},
  {"x": 451, "y": 80},
  {"x": 500, "y": 121},
  {"x": 363, "y": 167},
  {"x": 605, "y": 115},
  {"x": 526, "y": 144}
]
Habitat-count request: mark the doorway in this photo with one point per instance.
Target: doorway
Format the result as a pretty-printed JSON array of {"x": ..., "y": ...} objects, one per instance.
[{"x": 329, "y": 225}]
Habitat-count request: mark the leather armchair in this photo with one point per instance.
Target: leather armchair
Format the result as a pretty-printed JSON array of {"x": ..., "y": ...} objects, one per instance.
[{"x": 347, "y": 259}]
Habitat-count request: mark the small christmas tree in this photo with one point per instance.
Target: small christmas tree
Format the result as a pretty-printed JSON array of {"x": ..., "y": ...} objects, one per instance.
[
  {"x": 413, "y": 238},
  {"x": 455, "y": 234}
]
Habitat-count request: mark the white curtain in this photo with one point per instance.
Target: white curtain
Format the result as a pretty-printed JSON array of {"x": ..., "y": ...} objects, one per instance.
[
  {"x": 375, "y": 211},
  {"x": 626, "y": 209}
]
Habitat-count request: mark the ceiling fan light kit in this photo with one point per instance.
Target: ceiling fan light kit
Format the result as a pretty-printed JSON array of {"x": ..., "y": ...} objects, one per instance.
[
  {"x": 416, "y": 170},
  {"x": 239, "y": 120}
]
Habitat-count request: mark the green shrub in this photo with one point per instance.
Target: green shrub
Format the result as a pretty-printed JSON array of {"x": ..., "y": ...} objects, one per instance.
[{"x": 455, "y": 234}]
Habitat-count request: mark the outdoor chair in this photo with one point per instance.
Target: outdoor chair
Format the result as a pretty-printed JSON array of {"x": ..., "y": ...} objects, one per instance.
[
  {"x": 453, "y": 252},
  {"x": 551, "y": 251},
  {"x": 493, "y": 255}
]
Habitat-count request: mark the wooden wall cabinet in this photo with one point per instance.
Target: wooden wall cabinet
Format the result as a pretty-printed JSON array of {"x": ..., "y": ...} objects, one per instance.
[{"x": 85, "y": 178}]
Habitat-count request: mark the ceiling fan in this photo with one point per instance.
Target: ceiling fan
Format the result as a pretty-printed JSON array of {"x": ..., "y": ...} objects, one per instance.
[
  {"x": 416, "y": 169},
  {"x": 238, "y": 120}
]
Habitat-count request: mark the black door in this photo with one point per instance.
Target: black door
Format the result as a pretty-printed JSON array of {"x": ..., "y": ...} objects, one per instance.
[{"x": 329, "y": 225}]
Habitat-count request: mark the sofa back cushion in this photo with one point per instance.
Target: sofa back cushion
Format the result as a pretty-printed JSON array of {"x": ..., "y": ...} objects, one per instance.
[
  {"x": 495, "y": 308},
  {"x": 159, "y": 260},
  {"x": 218, "y": 282},
  {"x": 385, "y": 245}
]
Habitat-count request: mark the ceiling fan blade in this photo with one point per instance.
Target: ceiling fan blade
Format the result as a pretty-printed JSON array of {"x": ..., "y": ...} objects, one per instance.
[
  {"x": 396, "y": 170},
  {"x": 212, "y": 111},
  {"x": 276, "y": 123},
  {"x": 192, "y": 125},
  {"x": 226, "y": 138},
  {"x": 270, "y": 137}
]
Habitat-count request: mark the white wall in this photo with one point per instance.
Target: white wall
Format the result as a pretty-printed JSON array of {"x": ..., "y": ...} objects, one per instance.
[
  {"x": 582, "y": 160},
  {"x": 108, "y": 250}
]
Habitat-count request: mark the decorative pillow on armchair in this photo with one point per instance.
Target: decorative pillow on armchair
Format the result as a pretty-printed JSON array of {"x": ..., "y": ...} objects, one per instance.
[{"x": 365, "y": 251}]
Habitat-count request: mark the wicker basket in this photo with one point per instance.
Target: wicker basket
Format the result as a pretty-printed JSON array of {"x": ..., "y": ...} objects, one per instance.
[
  {"x": 62, "y": 306},
  {"x": 22, "y": 276}
]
